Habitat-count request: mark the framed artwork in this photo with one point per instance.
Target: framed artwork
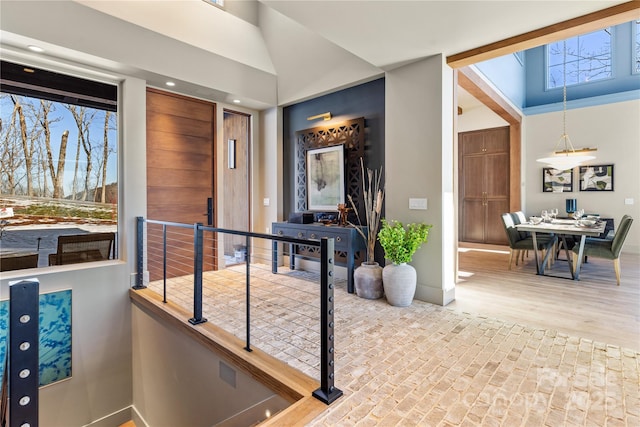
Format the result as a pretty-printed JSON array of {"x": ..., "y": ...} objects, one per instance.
[
  {"x": 596, "y": 178},
  {"x": 325, "y": 178},
  {"x": 55, "y": 336},
  {"x": 557, "y": 181}
]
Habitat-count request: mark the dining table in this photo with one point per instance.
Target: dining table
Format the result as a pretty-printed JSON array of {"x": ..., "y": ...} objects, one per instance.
[{"x": 563, "y": 228}]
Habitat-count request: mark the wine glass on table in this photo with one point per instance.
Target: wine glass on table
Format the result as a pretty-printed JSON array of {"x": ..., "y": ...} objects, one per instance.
[
  {"x": 554, "y": 213},
  {"x": 545, "y": 215}
]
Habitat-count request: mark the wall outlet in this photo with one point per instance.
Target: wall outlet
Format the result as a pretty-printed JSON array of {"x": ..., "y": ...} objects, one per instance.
[
  {"x": 628, "y": 201},
  {"x": 266, "y": 201},
  {"x": 418, "y": 204}
]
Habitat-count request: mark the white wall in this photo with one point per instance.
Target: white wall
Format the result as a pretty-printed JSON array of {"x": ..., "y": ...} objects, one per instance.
[
  {"x": 479, "y": 117},
  {"x": 101, "y": 346},
  {"x": 615, "y": 131},
  {"x": 178, "y": 380},
  {"x": 418, "y": 148},
  {"x": 307, "y": 64},
  {"x": 267, "y": 173}
]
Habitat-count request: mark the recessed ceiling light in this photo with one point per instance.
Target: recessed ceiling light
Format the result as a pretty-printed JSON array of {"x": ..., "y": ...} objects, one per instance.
[
  {"x": 236, "y": 101},
  {"x": 35, "y": 48},
  {"x": 170, "y": 84}
]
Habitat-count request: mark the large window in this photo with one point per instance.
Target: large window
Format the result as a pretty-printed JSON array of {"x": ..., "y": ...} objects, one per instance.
[
  {"x": 587, "y": 58},
  {"x": 58, "y": 168}
]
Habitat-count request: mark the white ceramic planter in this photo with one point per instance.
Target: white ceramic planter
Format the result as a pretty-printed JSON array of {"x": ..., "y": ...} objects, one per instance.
[
  {"x": 368, "y": 281},
  {"x": 399, "y": 282}
]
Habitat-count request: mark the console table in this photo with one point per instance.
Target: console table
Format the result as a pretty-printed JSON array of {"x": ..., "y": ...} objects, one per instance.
[{"x": 346, "y": 240}]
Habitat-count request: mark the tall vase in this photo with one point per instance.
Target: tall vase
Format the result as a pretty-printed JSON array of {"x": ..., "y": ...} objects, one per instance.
[
  {"x": 368, "y": 280},
  {"x": 399, "y": 281}
]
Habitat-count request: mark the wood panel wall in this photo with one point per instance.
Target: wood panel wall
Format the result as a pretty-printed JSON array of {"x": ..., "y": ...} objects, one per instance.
[
  {"x": 236, "y": 192},
  {"x": 180, "y": 174}
]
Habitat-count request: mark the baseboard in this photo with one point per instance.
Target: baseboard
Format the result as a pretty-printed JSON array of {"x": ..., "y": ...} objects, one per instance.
[
  {"x": 114, "y": 419},
  {"x": 434, "y": 295},
  {"x": 137, "y": 418}
]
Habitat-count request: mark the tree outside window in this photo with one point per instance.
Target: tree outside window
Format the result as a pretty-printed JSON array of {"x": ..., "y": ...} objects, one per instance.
[
  {"x": 58, "y": 170},
  {"x": 587, "y": 58}
]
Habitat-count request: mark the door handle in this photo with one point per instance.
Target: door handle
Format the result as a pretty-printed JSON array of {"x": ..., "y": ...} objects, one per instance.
[{"x": 209, "y": 213}]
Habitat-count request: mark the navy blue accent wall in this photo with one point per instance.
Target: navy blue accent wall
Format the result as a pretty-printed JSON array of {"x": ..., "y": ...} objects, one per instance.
[
  {"x": 623, "y": 79},
  {"x": 365, "y": 100}
]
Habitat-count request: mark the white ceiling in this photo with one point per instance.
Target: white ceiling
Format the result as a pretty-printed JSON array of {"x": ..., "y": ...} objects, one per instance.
[
  {"x": 311, "y": 46},
  {"x": 388, "y": 33}
]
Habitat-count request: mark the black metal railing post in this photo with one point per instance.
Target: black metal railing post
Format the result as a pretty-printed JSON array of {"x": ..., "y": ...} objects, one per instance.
[
  {"x": 248, "y": 292},
  {"x": 327, "y": 392},
  {"x": 23, "y": 351},
  {"x": 164, "y": 263},
  {"x": 197, "y": 275},
  {"x": 139, "y": 253}
]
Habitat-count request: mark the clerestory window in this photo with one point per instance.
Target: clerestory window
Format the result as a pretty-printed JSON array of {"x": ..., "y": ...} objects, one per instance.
[
  {"x": 586, "y": 57},
  {"x": 636, "y": 46}
]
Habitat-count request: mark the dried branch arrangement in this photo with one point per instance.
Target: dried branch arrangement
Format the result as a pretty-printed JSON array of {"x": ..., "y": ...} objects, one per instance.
[{"x": 373, "y": 195}]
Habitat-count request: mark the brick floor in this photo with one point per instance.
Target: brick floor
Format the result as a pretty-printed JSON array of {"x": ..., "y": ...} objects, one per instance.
[{"x": 429, "y": 366}]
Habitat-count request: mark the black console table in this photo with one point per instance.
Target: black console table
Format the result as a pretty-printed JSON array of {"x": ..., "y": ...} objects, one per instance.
[{"x": 346, "y": 240}]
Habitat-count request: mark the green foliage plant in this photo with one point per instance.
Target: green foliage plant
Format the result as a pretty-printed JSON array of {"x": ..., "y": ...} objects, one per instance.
[{"x": 400, "y": 242}]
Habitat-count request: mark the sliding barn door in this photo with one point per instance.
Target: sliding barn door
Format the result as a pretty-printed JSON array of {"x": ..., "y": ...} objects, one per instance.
[{"x": 180, "y": 177}]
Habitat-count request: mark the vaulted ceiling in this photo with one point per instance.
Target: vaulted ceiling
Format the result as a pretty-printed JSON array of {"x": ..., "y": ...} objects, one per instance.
[{"x": 311, "y": 47}]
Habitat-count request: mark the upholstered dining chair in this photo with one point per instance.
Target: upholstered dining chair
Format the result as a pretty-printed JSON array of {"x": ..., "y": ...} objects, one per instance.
[
  {"x": 607, "y": 248},
  {"x": 519, "y": 243}
]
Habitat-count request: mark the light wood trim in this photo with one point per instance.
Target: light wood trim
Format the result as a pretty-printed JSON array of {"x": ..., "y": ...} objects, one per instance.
[
  {"x": 614, "y": 15},
  {"x": 284, "y": 380},
  {"x": 473, "y": 83},
  {"x": 515, "y": 155},
  {"x": 298, "y": 414}
]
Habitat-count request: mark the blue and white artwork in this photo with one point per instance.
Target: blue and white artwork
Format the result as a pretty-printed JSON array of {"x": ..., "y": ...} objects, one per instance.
[{"x": 55, "y": 336}]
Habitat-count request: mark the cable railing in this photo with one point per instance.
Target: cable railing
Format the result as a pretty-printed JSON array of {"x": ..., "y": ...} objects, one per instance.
[{"x": 227, "y": 278}]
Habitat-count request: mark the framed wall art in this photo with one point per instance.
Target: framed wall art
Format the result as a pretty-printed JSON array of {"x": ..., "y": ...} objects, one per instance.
[
  {"x": 557, "y": 181},
  {"x": 325, "y": 178},
  {"x": 596, "y": 178},
  {"x": 55, "y": 336}
]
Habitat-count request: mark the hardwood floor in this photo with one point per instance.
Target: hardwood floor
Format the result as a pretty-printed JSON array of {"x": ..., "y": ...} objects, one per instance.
[{"x": 593, "y": 308}]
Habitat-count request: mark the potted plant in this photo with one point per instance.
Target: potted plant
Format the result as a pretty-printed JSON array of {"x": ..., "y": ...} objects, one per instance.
[
  {"x": 367, "y": 277},
  {"x": 399, "y": 244}
]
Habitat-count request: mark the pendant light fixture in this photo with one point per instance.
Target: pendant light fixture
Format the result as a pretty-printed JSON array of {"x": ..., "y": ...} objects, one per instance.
[{"x": 569, "y": 157}]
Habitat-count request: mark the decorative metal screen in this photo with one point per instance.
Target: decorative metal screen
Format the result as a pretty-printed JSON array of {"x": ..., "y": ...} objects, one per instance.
[{"x": 351, "y": 134}]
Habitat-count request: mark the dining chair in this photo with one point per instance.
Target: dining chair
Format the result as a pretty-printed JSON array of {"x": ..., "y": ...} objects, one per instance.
[
  {"x": 518, "y": 243},
  {"x": 520, "y": 218},
  {"x": 607, "y": 248},
  {"x": 18, "y": 261}
]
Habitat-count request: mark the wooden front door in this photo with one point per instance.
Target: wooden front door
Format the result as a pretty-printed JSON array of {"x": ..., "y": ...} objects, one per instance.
[
  {"x": 180, "y": 177},
  {"x": 484, "y": 185},
  {"x": 236, "y": 174}
]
